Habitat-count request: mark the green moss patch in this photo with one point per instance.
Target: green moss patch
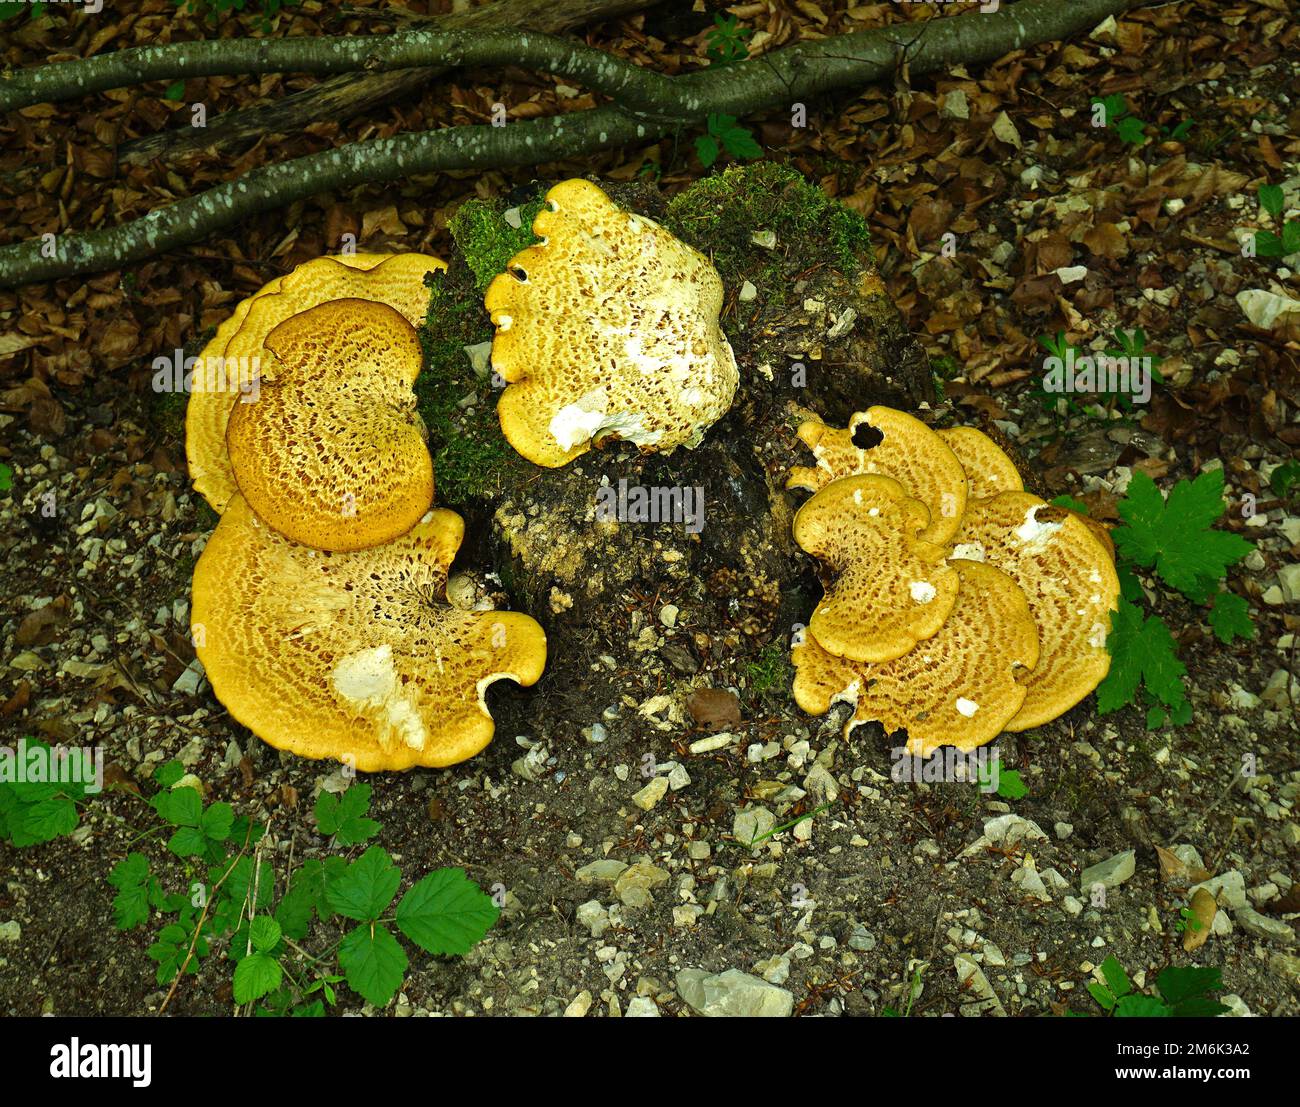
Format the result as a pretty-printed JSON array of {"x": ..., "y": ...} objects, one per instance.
[
  {"x": 487, "y": 241},
  {"x": 721, "y": 214}
]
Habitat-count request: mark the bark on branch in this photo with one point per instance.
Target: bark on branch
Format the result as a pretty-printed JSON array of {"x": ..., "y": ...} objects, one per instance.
[
  {"x": 779, "y": 79},
  {"x": 344, "y": 98}
]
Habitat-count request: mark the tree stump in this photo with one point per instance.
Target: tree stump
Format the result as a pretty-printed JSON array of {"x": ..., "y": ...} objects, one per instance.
[{"x": 813, "y": 333}]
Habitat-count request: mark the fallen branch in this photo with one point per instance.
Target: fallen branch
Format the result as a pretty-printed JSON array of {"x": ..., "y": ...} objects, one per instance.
[
  {"x": 778, "y": 79},
  {"x": 343, "y": 98}
]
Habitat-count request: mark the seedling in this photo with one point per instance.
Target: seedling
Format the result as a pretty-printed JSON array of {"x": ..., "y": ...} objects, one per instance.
[
  {"x": 1182, "y": 993},
  {"x": 1267, "y": 244},
  {"x": 725, "y": 134},
  {"x": 725, "y": 41}
]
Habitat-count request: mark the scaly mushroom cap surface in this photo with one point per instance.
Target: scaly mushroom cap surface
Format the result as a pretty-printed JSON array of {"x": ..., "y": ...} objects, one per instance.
[
  {"x": 396, "y": 280},
  {"x": 959, "y": 688},
  {"x": 890, "y": 590},
  {"x": 904, "y": 449},
  {"x": 608, "y": 327},
  {"x": 332, "y": 452},
  {"x": 353, "y": 656},
  {"x": 988, "y": 469},
  {"x": 1070, "y": 582}
]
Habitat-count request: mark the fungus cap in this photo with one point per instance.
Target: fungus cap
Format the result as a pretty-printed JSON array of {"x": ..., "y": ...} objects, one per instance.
[
  {"x": 229, "y": 363},
  {"x": 353, "y": 656},
  {"x": 959, "y": 688},
  {"x": 608, "y": 327},
  {"x": 905, "y": 449},
  {"x": 988, "y": 469},
  {"x": 890, "y": 589},
  {"x": 1070, "y": 582},
  {"x": 331, "y": 454}
]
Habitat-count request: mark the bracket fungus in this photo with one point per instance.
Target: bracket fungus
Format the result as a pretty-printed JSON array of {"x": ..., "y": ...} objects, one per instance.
[
  {"x": 889, "y": 443},
  {"x": 988, "y": 469},
  {"x": 959, "y": 688},
  {"x": 354, "y": 656},
  {"x": 1070, "y": 582},
  {"x": 227, "y": 365},
  {"x": 891, "y": 589},
  {"x": 608, "y": 327},
  {"x": 332, "y": 454}
]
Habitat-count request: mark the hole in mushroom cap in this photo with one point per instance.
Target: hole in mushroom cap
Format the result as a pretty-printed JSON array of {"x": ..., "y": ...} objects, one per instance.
[
  {"x": 519, "y": 273},
  {"x": 866, "y": 437}
]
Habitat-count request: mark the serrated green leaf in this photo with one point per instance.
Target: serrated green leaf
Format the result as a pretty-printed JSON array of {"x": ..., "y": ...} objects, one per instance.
[
  {"x": 182, "y": 807},
  {"x": 366, "y": 888},
  {"x": 264, "y": 933},
  {"x": 1270, "y": 199},
  {"x": 217, "y": 821},
  {"x": 32, "y": 824},
  {"x": 132, "y": 879},
  {"x": 740, "y": 143},
  {"x": 1178, "y": 983},
  {"x": 446, "y": 912},
  {"x": 1267, "y": 245},
  {"x": 255, "y": 976},
  {"x": 1230, "y": 618},
  {"x": 1101, "y": 994},
  {"x": 167, "y": 775},
  {"x": 707, "y": 150},
  {"x": 1140, "y": 1007},
  {"x": 1174, "y": 536},
  {"x": 187, "y": 841},
  {"x": 1142, "y": 654},
  {"x": 373, "y": 962},
  {"x": 1131, "y": 130},
  {"x": 343, "y": 817},
  {"x": 1116, "y": 978},
  {"x": 1011, "y": 786}
]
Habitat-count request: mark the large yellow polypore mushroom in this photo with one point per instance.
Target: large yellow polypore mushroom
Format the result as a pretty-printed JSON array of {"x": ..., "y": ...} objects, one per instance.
[
  {"x": 229, "y": 365},
  {"x": 890, "y": 443},
  {"x": 1070, "y": 582},
  {"x": 353, "y": 656},
  {"x": 959, "y": 688},
  {"x": 890, "y": 589},
  {"x": 609, "y": 327},
  {"x": 332, "y": 452},
  {"x": 988, "y": 469}
]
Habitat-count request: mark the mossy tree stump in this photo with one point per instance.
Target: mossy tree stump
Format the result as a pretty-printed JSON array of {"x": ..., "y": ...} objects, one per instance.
[{"x": 813, "y": 332}]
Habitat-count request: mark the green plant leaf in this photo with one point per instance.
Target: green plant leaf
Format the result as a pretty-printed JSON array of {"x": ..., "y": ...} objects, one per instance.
[
  {"x": 1116, "y": 978},
  {"x": 181, "y": 806},
  {"x": 132, "y": 879},
  {"x": 1174, "y": 535},
  {"x": 1102, "y": 995},
  {"x": 1140, "y": 1007},
  {"x": 175, "y": 90},
  {"x": 343, "y": 817},
  {"x": 1270, "y": 199},
  {"x": 446, "y": 912},
  {"x": 33, "y": 824},
  {"x": 1284, "y": 477},
  {"x": 1071, "y": 504},
  {"x": 1011, "y": 786},
  {"x": 255, "y": 976},
  {"x": 1230, "y": 618},
  {"x": 217, "y": 821},
  {"x": 1142, "y": 653},
  {"x": 707, "y": 150},
  {"x": 187, "y": 841},
  {"x": 1291, "y": 238},
  {"x": 1131, "y": 130},
  {"x": 739, "y": 142},
  {"x": 366, "y": 888},
  {"x": 167, "y": 775},
  {"x": 1267, "y": 245},
  {"x": 1177, "y": 983},
  {"x": 6, "y": 474},
  {"x": 264, "y": 933},
  {"x": 373, "y": 962}
]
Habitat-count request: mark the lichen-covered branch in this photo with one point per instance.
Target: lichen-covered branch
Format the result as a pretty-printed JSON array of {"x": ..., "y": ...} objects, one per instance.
[{"x": 779, "y": 79}]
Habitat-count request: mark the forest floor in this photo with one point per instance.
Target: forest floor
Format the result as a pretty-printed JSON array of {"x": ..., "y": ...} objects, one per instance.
[{"x": 888, "y": 894}]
